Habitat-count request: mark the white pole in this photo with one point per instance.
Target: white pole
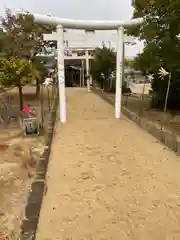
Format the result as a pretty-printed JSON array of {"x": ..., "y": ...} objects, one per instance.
[
  {"x": 91, "y": 80},
  {"x": 119, "y": 71},
  {"x": 82, "y": 61},
  {"x": 87, "y": 71},
  {"x": 61, "y": 76},
  {"x": 123, "y": 60},
  {"x": 80, "y": 80}
]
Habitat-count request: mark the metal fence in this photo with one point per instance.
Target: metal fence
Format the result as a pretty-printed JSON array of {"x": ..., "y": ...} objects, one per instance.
[{"x": 10, "y": 114}]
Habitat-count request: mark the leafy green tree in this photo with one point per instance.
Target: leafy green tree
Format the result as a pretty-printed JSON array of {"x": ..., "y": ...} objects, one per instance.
[
  {"x": 127, "y": 63},
  {"x": 104, "y": 62},
  {"x": 160, "y": 31},
  {"x": 148, "y": 61},
  {"x": 41, "y": 69},
  {"x": 23, "y": 37},
  {"x": 17, "y": 72},
  {"x": 2, "y": 42}
]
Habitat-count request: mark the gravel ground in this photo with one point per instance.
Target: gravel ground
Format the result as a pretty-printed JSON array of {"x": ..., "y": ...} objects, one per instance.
[{"x": 108, "y": 179}]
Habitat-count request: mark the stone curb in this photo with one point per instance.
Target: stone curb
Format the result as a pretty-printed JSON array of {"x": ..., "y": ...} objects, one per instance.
[
  {"x": 38, "y": 187},
  {"x": 163, "y": 135}
]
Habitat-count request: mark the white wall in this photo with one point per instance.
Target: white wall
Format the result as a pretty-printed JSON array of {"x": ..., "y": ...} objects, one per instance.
[{"x": 137, "y": 88}]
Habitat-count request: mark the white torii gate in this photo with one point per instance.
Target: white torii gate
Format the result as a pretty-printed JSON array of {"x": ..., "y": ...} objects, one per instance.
[{"x": 88, "y": 25}]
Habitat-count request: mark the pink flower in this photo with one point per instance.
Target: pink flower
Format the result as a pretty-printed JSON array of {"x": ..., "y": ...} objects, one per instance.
[{"x": 26, "y": 109}]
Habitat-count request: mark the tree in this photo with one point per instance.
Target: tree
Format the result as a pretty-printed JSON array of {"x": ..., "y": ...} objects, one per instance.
[
  {"x": 17, "y": 72},
  {"x": 23, "y": 37},
  {"x": 160, "y": 31},
  {"x": 148, "y": 61},
  {"x": 104, "y": 62},
  {"x": 42, "y": 70},
  {"x": 128, "y": 63},
  {"x": 2, "y": 42}
]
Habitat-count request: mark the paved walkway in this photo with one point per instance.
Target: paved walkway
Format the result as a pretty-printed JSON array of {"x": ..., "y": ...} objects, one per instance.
[{"x": 108, "y": 179}]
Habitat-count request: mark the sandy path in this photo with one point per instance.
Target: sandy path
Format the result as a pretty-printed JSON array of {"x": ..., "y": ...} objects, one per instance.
[{"x": 108, "y": 179}]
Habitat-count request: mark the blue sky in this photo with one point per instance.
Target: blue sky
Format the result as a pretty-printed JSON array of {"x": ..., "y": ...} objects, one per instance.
[{"x": 78, "y": 9}]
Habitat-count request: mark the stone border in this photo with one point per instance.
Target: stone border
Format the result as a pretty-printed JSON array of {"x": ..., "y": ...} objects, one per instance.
[
  {"x": 38, "y": 187},
  {"x": 172, "y": 141}
]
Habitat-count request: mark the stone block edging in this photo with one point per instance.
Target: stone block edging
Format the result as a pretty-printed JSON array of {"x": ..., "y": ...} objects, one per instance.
[
  {"x": 166, "y": 137},
  {"x": 38, "y": 188}
]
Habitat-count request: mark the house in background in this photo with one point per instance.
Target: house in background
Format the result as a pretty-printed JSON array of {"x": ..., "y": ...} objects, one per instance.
[
  {"x": 137, "y": 82},
  {"x": 132, "y": 79}
]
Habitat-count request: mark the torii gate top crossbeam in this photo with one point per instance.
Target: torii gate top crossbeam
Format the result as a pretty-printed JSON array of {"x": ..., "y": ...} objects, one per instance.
[{"x": 86, "y": 24}]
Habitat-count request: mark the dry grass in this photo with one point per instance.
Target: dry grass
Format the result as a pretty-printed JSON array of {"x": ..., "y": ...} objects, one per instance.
[
  {"x": 18, "y": 161},
  {"x": 144, "y": 110},
  {"x": 19, "y": 157}
]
